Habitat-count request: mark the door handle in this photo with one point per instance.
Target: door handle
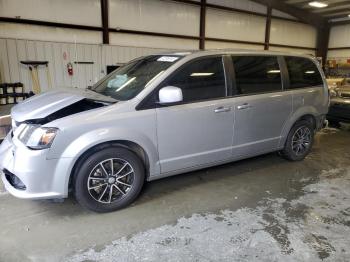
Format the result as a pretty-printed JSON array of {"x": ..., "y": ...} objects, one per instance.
[
  {"x": 222, "y": 109},
  {"x": 244, "y": 106}
]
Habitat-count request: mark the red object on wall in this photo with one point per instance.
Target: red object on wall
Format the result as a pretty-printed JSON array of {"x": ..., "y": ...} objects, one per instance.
[
  {"x": 70, "y": 69},
  {"x": 348, "y": 61}
]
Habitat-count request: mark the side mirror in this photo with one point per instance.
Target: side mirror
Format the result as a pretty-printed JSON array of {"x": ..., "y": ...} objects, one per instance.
[{"x": 170, "y": 95}]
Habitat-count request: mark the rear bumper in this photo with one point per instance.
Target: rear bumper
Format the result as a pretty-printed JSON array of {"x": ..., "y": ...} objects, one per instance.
[{"x": 38, "y": 177}]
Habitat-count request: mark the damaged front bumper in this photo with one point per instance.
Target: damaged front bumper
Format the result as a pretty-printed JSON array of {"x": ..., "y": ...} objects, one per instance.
[{"x": 28, "y": 174}]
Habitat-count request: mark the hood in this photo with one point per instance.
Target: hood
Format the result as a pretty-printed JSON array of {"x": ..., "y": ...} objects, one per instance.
[{"x": 62, "y": 101}]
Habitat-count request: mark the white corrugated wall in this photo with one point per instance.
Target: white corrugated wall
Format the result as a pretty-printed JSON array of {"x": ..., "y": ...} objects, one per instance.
[
  {"x": 12, "y": 51},
  {"x": 339, "y": 37},
  {"x": 56, "y": 45}
]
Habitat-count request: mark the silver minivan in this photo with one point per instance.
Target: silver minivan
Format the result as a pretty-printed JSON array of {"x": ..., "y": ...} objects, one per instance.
[{"x": 161, "y": 115}]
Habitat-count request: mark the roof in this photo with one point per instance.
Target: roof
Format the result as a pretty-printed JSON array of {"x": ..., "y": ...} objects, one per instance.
[{"x": 198, "y": 53}]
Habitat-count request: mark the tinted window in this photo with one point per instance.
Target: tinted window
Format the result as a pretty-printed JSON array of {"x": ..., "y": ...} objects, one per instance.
[
  {"x": 302, "y": 72},
  {"x": 257, "y": 74},
  {"x": 200, "y": 80}
]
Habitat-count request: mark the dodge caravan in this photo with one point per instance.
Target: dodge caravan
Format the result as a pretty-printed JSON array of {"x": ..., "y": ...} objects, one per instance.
[{"x": 161, "y": 115}]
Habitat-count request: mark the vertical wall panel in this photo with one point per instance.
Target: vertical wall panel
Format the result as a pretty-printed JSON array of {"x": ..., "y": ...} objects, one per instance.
[
  {"x": 23, "y": 70},
  {"x": 221, "y": 45},
  {"x": 44, "y": 33},
  {"x": 31, "y": 50},
  {"x": 57, "y": 65},
  {"x": 96, "y": 57},
  {"x": 86, "y": 12},
  {"x": 292, "y": 33},
  {"x": 49, "y": 56},
  {"x": 340, "y": 36},
  {"x": 12, "y": 58},
  {"x": 293, "y": 50},
  {"x": 131, "y": 40},
  {"x": 63, "y": 62},
  {"x": 239, "y": 4},
  {"x": 72, "y": 56},
  {"x": 116, "y": 55},
  {"x": 339, "y": 54},
  {"x": 4, "y": 65},
  {"x": 40, "y": 56},
  {"x": 89, "y": 69},
  {"x": 235, "y": 26},
  {"x": 81, "y": 81},
  {"x": 155, "y": 16}
]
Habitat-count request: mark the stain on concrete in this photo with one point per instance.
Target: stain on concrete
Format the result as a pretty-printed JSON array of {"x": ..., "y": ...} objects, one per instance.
[
  {"x": 278, "y": 231},
  {"x": 320, "y": 244}
]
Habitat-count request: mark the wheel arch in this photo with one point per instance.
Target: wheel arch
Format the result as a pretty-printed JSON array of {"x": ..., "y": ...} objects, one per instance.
[
  {"x": 130, "y": 145},
  {"x": 309, "y": 115}
]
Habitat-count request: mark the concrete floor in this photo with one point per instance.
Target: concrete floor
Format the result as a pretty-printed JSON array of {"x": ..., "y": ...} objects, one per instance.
[{"x": 261, "y": 209}]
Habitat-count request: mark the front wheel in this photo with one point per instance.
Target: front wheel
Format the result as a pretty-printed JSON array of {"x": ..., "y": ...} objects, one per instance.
[
  {"x": 299, "y": 141},
  {"x": 109, "y": 179}
]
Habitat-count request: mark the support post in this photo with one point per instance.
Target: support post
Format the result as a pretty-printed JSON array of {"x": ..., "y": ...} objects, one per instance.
[
  {"x": 322, "y": 42},
  {"x": 202, "y": 25},
  {"x": 104, "y": 18},
  {"x": 268, "y": 28}
]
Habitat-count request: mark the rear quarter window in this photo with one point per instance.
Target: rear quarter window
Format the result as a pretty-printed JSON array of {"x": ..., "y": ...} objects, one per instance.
[{"x": 302, "y": 73}]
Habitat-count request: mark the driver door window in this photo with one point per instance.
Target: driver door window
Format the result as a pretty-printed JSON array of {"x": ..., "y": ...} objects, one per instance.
[{"x": 200, "y": 80}]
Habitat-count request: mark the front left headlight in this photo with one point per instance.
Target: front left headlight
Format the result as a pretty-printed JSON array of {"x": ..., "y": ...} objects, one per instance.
[{"x": 36, "y": 137}]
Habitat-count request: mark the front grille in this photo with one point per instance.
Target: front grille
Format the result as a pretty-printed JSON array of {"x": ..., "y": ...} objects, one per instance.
[{"x": 14, "y": 180}]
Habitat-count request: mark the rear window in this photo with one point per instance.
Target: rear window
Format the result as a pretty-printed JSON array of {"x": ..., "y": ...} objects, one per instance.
[
  {"x": 257, "y": 74},
  {"x": 302, "y": 72}
]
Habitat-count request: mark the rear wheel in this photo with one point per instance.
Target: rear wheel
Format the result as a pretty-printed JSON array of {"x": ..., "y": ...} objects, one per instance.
[
  {"x": 299, "y": 141},
  {"x": 109, "y": 179}
]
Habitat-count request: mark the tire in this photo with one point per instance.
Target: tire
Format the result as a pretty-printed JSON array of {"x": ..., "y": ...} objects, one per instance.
[
  {"x": 300, "y": 129},
  {"x": 101, "y": 188}
]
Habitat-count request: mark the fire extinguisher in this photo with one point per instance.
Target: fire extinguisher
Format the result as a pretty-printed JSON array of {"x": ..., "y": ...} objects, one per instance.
[{"x": 70, "y": 68}]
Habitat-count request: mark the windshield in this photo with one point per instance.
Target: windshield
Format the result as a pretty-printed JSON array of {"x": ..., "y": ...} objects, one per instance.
[{"x": 129, "y": 80}]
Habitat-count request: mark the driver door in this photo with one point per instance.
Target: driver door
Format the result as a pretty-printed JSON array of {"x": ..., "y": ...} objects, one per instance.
[{"x": 198, "y": 131}]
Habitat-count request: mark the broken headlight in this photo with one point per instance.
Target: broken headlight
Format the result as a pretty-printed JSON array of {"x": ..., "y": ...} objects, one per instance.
[{"x": 36, "y": 137}]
